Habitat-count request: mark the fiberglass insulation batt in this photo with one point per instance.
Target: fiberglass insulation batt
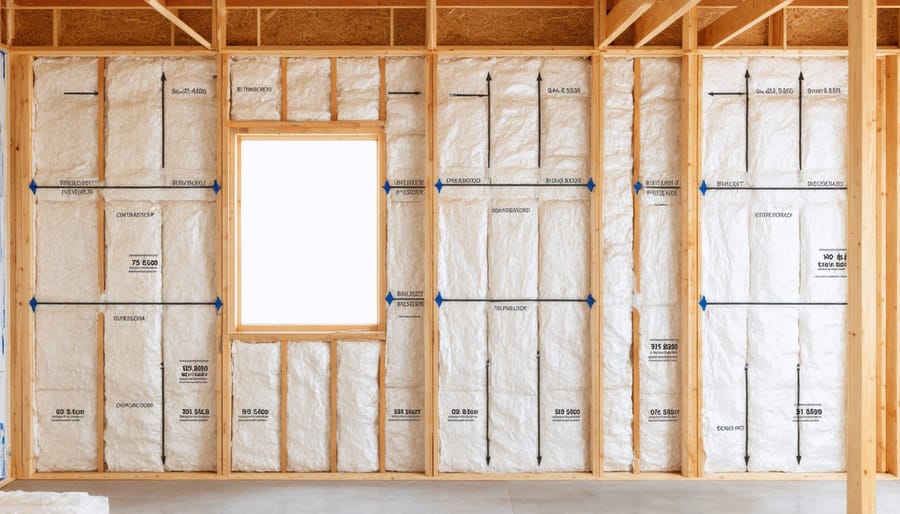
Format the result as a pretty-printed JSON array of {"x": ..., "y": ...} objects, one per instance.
[
  {"x": 512, "y": 246},
  {"x": 256, "y": 404},
  {"x": 133, "y": 388},
  {"x": 660, "y": 231},
  {"x": 618, "y": 263},
  {"x": 309, "y": 406},
  {"x": 404, "y": 374},
  {"x": 66, "y": 251},
  {"x": 65, "y": 375},
  {"x": 773, "y": 377},
  {"x": 357, "y": 406}
]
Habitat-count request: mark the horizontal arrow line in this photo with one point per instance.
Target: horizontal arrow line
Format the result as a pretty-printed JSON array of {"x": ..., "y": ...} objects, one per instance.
[
  {"x": 726, "y": 93},
  {"x": 404, "y": 93},
  {"x": 775, "y": 303},
  {"x": 33, "y": 186},
  {"x": 84, "y": 93},
  {"x": 34, "y": 303},
  {"x": 514, "y": 300},
  {"x": 469, "y": 95},
  {"x": 513, "y": 185},
  {"x": 777, "y": 188}
]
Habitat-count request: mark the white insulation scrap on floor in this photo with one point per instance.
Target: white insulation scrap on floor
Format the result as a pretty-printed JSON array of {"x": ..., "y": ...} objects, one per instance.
[
  {"x": 66, "y": 252},
  {"x": 773, "y": 377},
  {"x": 309, "y": 406},
  {"x": 133, "y": 251},
  {"x": 255, "y": 88},
  {"x": 256, "y": 406},
  {"x": 133, "y": 388},
  {"x": 65, "y": 388},
  {"x": 660, "y": 249},
  {"x": 21, "y": 502},
  {"x": 65, "y": 119},
  {"x": 618, "y": 262},
  {"x": 189, "y": 347},
  {"x": 358, "y": 406},
  {"x": 515, "y": 247}
]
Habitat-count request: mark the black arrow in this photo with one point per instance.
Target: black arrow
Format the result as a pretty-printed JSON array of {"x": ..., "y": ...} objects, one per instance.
[
  {"x": 747, "y": 121},
  {"x": 488, "y": 80},
  {"x": 162, "y": 95},
  {"x": 162, "y": 368},
  {"x": 487, "y": 410},
  {"x": 81, "y": 93},
  {"x": 800, "y": 146},
  {"x": 539, "y": 80},
  {"x": 726, "y": 93},
  {"x": 539, "y": 456},
  {"x": 746, "y": 417},
  {"x": 798, "y": 413},
  {"x": 404, "y": 93}
]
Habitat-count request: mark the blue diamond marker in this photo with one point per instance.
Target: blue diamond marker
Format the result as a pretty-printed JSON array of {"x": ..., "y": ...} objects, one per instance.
[
  {"x": 591, "y": 301},
  {"x": 591, "y": 185},
  {"x": 33, "y": 186},
  {"x": 218, "y": 303},
  {"x": 387, "y": 188},
  {"x": 33, "y": 303},
  {"x": 439, "y": 185},
  {"x": 703, "y": 188},
  {"x": 703, "y": 303},
  {"x": 439, "y": 300},
  {"x": 389, "y": 298},
  {"x": 637, "y": 187},
  {"x": 216, "y": 187}
]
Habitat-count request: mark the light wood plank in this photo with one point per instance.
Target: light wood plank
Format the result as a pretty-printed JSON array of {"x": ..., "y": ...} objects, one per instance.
[
  {"x": 174, "y": 19},
  {"x": 636, "y": 256},
  {"x": 429, "y": 310},
  {"x": 101, "y": 119},
  {"x": 737, "y": 20},
  {"x": 689, "y": 353},
  {"x": 101, "y": 392},
  {"x": 861, "y": 202},
  {"x": 283, "y": 404},
  {"x": 382, "y": 404},
  {"x": 431, "y": 24},
  {"x": 880, "y": 270},
  {"x": 621, "y": 17},
  {"x": 778, "y": 30},
  {"x": 382, "y": 90},
  {"x": 332, "y": 400},
  {"x": 659, "y": 17},
  {"x": 284, "y": 89},
  {"x": 596, "y": 430},
  {"x": 892, "y": 257},
  {"x": 334, "y": 98}
]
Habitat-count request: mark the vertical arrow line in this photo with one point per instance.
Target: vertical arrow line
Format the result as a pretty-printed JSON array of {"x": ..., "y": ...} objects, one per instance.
[
  {"x": 746, "y": 417},
  {"x": 539, "y": 456},
  {"x": 487, "y": 410},
  {"x": 798, "y": 414},
  {"x": 539, "y": 125},
  {"x": 488, "y": 80},
  {"x": 800, "y": 129},
  {"x": 162, "y": 95},
  {"x": 747, "y": 121}
]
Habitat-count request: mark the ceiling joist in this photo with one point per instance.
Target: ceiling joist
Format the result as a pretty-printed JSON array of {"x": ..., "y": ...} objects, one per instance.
[
  {"x": 622, "y": 16},
  {"x": 659, "y": 17},
  {"x": 169, "y": 15},
  {"x": 737, "y": 20}
]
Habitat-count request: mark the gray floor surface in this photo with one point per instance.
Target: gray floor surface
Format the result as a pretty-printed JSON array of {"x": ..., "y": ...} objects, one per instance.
[{"x": 507, "y": 497}]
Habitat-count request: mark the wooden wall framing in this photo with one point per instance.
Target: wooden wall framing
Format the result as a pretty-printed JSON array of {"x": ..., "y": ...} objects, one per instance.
[{"x": 782, "y": 28}]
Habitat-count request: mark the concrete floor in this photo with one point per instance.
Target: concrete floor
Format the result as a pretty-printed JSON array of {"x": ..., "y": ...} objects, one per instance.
[{"x": 513, "y": 497}]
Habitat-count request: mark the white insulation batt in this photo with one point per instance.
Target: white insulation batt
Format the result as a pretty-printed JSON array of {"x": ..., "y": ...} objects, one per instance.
[
  {"x": 133, "y": 251},
  {"x": 256, "y": 404},
  {"x": 404, "y": 373},
  {"x": 309, "y": 406},
  {"x": 66, "y": 255},
  {"x": 309, "y": 89},
  {"x": 357, "y": 406},
  {"x": 659, "y": 239},
  {"x": 618, "y": 263},
  {"x": 22, "y": 502},
  {"x": 773, "y": 376},
  {"x": 256, "y": 88},
  {"x": 505, "y": 250},
  {"x": 133, "y": 388},
  {"x": 66, "y": 389}
]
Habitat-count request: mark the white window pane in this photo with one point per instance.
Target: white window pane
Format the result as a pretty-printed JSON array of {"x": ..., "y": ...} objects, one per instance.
[{"x": 309, "y": 232}]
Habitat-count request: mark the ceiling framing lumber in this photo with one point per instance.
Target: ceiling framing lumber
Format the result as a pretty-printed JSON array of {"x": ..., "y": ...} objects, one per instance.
[
  {"x": 737, "y": 20},
  {"x": 172, "y": 17},
  {"x": 622, "y": 16},
  {"x": 659, "y": 17}
]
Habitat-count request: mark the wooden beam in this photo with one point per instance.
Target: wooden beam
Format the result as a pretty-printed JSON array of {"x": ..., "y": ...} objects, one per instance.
[
  {"x": 778, "y": 30},
  {"x": 636, "y": 259},
  {"x": 431, "y": 25},
  {"x": 284, "y": 89},
  {"x": 101, "y": 392},
  {"x": 172, "y": 17},
  {"x": 689, "y": 31},
  {"x": 658, "y": 18},
  {"x": 334, "y": 98},
  {"x": 689, "y": 278},
  {"x": 283, "y": 415},
  {"x": 596, "y": 433},
  {"x": 861, "y": 258},
  {"x": 430, "y": 245},
  {"x": 621, "y": 17},
  {"x": 332, "y": 402},
  {"x": 880, "y": 269},
  {"x": 219, "y": 24},
  {"x": 892, "y": 256},
  {"x": 734, "y": 22}
]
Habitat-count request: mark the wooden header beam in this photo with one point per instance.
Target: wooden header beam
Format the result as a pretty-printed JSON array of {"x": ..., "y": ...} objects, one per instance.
[
  {"x": 621, "y": 17},
  {"x": 659, "y": 17},
  {"x": 172, "y": 17},
  {"x": 734, "y": 22}
]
